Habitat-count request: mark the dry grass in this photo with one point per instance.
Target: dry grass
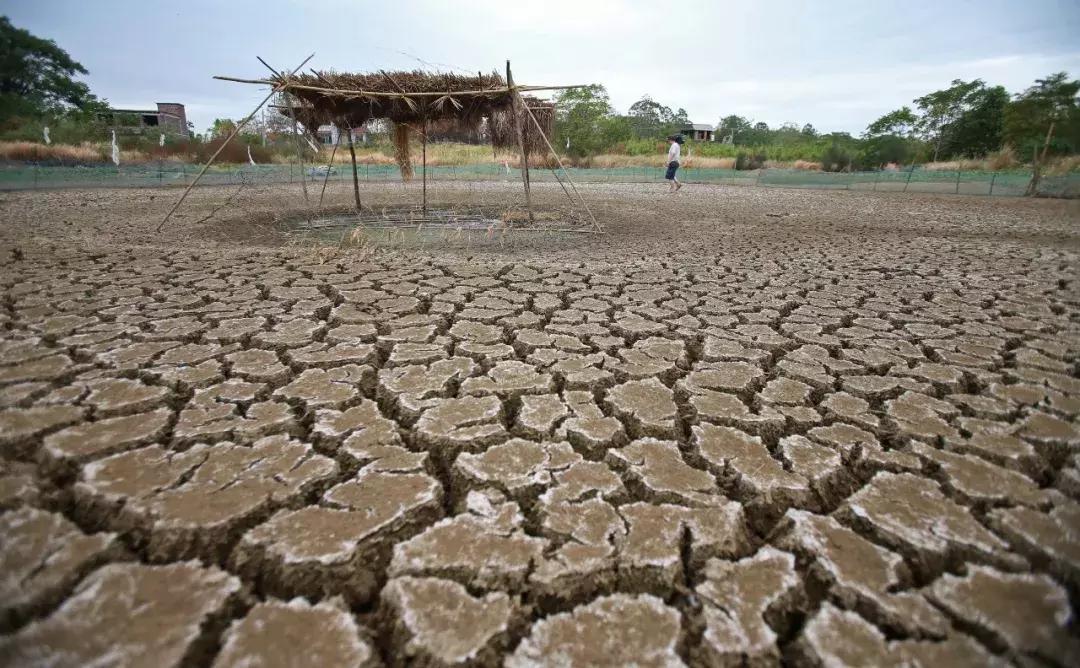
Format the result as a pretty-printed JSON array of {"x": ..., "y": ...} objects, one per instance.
[
  {"x": 34, "y": 152},
  {"x": 85, "y": 153},
  {"x": 1064, "y": 164},
  {"x": 438, "y": 155},
  {"x": 609, "y": 161},
  {"x": 1003, "y": 159},
  {"x": 963, "y": 165},
  {"x": 807, "y": 165}
]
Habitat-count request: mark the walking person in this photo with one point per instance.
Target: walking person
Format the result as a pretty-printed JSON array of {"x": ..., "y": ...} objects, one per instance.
[{"x": 673, "y": 155}]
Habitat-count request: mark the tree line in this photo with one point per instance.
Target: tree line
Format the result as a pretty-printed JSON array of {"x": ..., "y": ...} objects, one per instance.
[
  {"x": 968, "y": 119},
  {"x": 39, "y": 86}
]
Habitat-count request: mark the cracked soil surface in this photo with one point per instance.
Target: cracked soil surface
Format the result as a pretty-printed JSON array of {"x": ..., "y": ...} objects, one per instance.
[{"x": 745, "y": 427}]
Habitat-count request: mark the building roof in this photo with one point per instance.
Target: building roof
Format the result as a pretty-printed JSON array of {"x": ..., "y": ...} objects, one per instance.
[{"x": 700, "y": 126}]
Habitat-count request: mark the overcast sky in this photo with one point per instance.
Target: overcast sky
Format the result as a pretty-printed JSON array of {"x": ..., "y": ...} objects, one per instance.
[{"x": 838, "y": 64}]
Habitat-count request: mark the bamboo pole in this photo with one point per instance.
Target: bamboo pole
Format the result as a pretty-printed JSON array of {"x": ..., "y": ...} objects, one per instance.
[
  {"x": 363, "y": 93},
  {"x": 329, "y": 166},
  {"x": 423, "y": 161},
  {"x": 515, "y": 99},
  {"x": 299, "y": 155},
  {"x": 355, "y": 178},
  {"x": 236, "y": 130}
]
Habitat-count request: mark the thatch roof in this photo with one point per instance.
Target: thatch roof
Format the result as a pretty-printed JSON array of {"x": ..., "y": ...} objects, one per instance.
[
  {"x": 413, "y": 98},
  {"x": 402, "y": 97},
  {"x": 504, "y": 135}
]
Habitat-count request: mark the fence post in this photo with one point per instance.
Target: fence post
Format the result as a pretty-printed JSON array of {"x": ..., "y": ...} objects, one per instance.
[
  {"x": 958, "y": 177},
  {"x": 910, "y": 172},
  {"x": 877, "y": 175},
  {"x": 993, "y": 177}
]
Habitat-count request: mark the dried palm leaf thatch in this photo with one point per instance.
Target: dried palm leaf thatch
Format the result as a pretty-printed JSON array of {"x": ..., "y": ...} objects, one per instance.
[
  {"x": 400, "y": 137},
  {"x": 504, "y": 135},
  {"x": 342, "y": 96}
]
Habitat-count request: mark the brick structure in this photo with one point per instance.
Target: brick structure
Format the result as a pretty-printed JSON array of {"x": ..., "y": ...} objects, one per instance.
[{"x": 169, "y": 117}]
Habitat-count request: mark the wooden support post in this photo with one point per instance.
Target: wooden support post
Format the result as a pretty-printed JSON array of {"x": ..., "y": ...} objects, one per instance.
[
  {"x": 1036, "y": 174},
  {"x": 236, "y": 131},
  {"x": 516, "y": 107},
  {"x": 299, "y": 151},
  {"x": 423, "y": 161},
  {"x": 326, "y": 177},
  {"x": 355, "y": 178}
]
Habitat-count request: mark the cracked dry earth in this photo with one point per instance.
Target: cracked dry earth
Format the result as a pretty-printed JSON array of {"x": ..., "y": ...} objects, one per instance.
[{"x": 846, "y": 451}]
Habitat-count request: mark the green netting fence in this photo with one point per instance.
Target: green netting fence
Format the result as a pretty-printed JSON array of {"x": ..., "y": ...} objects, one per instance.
[{"x": 164, "y": 174}]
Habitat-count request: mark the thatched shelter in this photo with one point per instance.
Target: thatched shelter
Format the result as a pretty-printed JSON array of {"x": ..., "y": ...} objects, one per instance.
[
  {"x": 411, "y": 101},
  {"x": 415, "y": 101}
]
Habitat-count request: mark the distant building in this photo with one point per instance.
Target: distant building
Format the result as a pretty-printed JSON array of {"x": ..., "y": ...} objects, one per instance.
[
  {"x": 169, "y": 118},
  {"x": 698, "y": 131},
  {"x": 329, "y": 135}
]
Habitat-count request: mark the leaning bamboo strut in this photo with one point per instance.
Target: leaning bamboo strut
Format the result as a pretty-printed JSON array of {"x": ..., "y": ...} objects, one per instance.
[
  {"x": 599, "y": 228},
  {"x": 236, "y": 131}
]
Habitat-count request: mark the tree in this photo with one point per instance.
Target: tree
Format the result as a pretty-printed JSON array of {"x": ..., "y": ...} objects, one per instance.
[
  {"x": 649, "y": 119},
  {"x": 583, "y": 116},
  {"x": 978, "y": 129},
  {"x": 1028, "y": 118},
  {"x": 759, "y": 134},
  {"x": 809, "y": 131},
  {"x": 36, "y": 77},
  {"x": 645, "y": 117},
  {"x": 732, "y": 126},
  {"x": 901, "y": 123},
  {"x": 221, "y": 128},
  {"x": 943, "y": 107}
]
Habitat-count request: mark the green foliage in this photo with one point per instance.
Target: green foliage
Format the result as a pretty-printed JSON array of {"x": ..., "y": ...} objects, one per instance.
[
  {"x": 942, "y": 109},
  {"x": 888, "y": 148},
  {"x": 584, "y": 116},
  {"x": 978, "y": 129},
  {"x": 901, "y": 122},
  {"x": 221, "y": 127},
  {"x": 651, "y": 120},
  {"x": 733, "y": 126},
  {"x": 1027, "y": 118},
  {"x": 36, "y": 78}
]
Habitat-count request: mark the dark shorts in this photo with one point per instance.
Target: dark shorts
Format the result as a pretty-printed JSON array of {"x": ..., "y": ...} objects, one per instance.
[{"x": 671, "y": 167}]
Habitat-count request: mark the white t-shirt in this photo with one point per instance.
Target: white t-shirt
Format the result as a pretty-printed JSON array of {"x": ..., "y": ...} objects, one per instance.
[{"x": 674, "y": 152}]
